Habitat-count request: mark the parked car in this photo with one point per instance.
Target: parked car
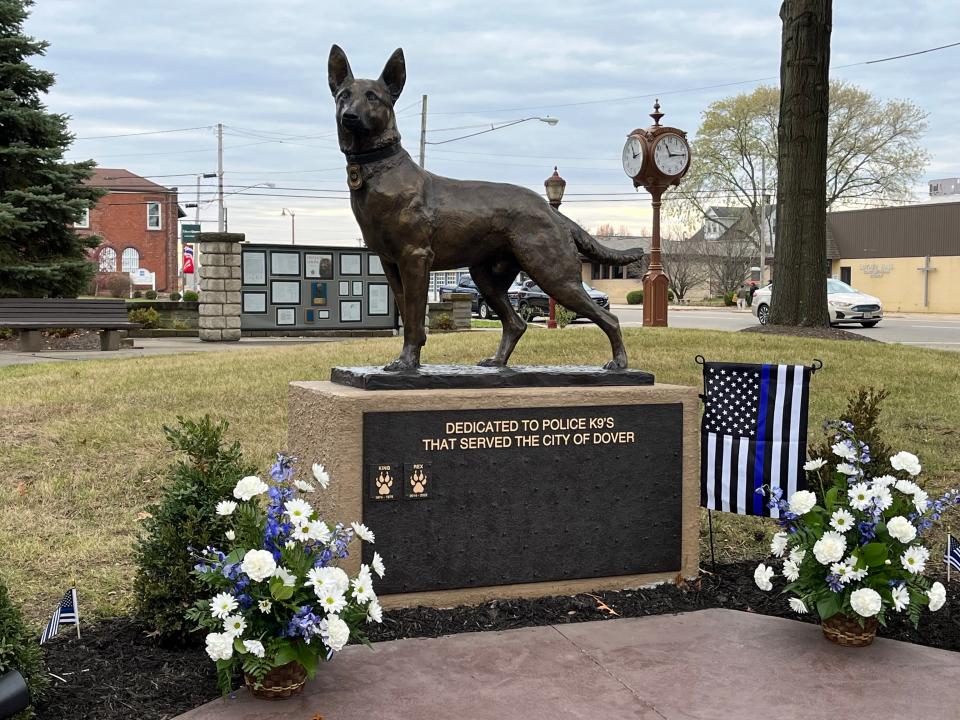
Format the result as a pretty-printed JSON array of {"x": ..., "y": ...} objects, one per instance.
[
  {"x": 478, "y": 305},
  {"x": 532, "y": 302},
  {"x": 845, "y": 304}
]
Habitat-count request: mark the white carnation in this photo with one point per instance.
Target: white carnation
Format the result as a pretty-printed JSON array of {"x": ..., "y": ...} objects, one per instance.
[
  {"x": 901, "y": 529},
  {"x": 363, "y": 532},
  {"x": 249, "y": 487},
  {"x": 778, "y": 546},
  {"x": 762, "y": 577},
  {"x": 798, "y": 606},
  {"x": 802, "y": 502},
  {"x": 254, "y": 647},
  {"x": 226, "y": 507},
  {"x": 906, "y": 461},
  {"x": 884, "y": 481},
  {"x": 938, "y": 596},
  {"x": 332, "y": 578},
  {"x": 907, "y": 487},
  {"x": 321, "y": 475},
  {"x": 866, "y": 602},
  {"x": 830, "y": 548},
  {"x": 844, "y": 450},
  {"x": 811, "y": 465},
  {"x": 334, "y": 632},
  {"x": 847, "y": 469},
  {"x": 258, "y": 564},
  {"x": 220, "y": 646}
]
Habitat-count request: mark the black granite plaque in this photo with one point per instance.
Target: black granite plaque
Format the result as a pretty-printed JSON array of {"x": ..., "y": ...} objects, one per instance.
[
  {"x": 448, "y": 377},
  {"x": 526, "y": 495},
  {"x": 383, "y": 481}
]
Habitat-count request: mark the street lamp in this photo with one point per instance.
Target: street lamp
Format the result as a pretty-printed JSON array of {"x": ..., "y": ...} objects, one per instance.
[
  {"x": 293, "y": 226},
  {"x": 554, "y": 185}
]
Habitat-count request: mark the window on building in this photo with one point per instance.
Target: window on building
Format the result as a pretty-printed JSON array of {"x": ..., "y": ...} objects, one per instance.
[
  {"x": 130, "y": 260},
  {"x": 84, "y": 221},
  {"x": 153, "y": 216},
  {"x": 595, "y": 271},
  {"x": 108, "y": 259}
]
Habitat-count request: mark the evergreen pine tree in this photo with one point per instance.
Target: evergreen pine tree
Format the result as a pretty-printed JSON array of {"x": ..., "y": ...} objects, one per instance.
[{"x": 41, "y": 196}]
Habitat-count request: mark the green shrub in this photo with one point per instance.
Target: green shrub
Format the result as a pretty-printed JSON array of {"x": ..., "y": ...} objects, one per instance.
[
  {"x": 563, "y": 316},
  {"x": 635, "y": 297},
  {"x": 118, "y": 285},
  {"x": 206, "y": 473},
  {"x": 730, "y": 298},
  {"x": 175, "y": 296},
  {"x": 148, "y": 317},
  {"x": 181, "y": 325},
  {"x": 6, "y": 333},
  {"x": 670, "y": 296},
  {"x": 137, "y": 294},
  {"x": 150, "y": 294},
  {"x": 191, "y": 295},
  {"x": 443, "y": 322},
  {"x": 19, "y": 649}
]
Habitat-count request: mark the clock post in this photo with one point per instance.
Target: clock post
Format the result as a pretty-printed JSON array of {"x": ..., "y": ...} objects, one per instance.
[{"x": 656, "y": 158}]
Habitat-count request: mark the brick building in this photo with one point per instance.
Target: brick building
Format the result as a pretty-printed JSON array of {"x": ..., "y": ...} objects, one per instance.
[{"x": 137, "y": 220}]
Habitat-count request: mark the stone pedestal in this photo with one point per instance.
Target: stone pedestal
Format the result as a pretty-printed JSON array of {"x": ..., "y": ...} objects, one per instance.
[
  {"x": 477, "y": 494},
  {"x": 462, "y": 311},
  {"x": 220, "y": 281}
]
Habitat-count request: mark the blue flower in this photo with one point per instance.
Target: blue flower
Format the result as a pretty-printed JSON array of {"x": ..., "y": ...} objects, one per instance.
[
  {"x": 833, "y": 582},
  {"x": 868, "y": 531}
]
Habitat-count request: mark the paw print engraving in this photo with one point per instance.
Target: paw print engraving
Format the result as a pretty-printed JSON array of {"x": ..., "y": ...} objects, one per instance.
[
  {"x": 384, "y": 483},
  {"x": 418, "y": 482}
]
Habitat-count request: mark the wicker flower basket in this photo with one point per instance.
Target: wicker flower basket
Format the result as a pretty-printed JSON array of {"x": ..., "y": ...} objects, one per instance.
[
  {"x": 846, "y": 631},
  {"x": 279, "y": 683}
]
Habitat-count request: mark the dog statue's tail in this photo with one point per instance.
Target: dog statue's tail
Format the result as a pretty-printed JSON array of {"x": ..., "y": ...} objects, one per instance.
[{"x": 589, "y": 246}]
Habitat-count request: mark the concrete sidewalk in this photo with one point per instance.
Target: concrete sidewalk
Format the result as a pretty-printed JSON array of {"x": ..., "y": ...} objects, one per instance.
[{"x": 707, "y": 665}]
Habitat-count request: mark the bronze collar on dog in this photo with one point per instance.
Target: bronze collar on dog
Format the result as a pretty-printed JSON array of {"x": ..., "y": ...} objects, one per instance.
[{"x": 356, "y": 161}]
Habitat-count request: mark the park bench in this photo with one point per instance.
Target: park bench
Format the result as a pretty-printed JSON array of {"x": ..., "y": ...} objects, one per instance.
[{"x": 31, "y": 315}]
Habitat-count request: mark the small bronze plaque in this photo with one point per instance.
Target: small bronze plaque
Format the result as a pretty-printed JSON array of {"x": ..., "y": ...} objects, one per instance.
[
  {"x": 354, "y": 177},
  {"x": 417, "y": 481},
  {"x": 384, "y": 481}
]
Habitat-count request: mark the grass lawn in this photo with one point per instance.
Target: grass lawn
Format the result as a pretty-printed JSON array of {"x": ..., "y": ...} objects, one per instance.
[{"x": 82, "y": 449}]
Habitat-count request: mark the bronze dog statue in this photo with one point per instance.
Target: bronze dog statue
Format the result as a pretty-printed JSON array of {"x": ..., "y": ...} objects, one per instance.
[{"x": 417, "y": 222}]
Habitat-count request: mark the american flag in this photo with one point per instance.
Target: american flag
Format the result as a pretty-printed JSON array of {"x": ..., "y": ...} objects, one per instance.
[
  {"x": 67, "y": 613},
  {"x": 753, "y": 433},
  {"x": 952, "y": 556}
]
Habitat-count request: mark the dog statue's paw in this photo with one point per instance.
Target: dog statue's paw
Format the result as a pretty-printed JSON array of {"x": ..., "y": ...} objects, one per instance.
[
  {"x": 616, "y": 365},
  {"x": 491, "y": 362},
  {"x": 401, "y": 364}
]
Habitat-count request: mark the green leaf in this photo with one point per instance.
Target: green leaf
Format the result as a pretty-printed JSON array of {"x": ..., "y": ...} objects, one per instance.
[
  {"x": 279, "y": 591},
  {"x": 873, "y": 554},
  {"x": 830, "y": 499},
  {"x": 238, "y": 645},
  {"x": 285, "y": 654},
  {"x": 828, "y": 607}
]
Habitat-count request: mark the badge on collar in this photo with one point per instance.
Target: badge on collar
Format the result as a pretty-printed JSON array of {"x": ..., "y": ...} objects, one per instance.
[{"x": 354, "y": 177}]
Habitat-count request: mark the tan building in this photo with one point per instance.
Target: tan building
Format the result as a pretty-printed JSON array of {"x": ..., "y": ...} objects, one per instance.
[
  {"x": 615, "y": 281},
  {"x": 907, "y": 256}
]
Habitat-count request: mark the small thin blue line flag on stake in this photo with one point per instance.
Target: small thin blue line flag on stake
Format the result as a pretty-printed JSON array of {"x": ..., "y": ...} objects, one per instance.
[
  {"x": 952, "y": 556},
  {"x": 67, "y": 613},
  {"x": 753, "y": 433}
]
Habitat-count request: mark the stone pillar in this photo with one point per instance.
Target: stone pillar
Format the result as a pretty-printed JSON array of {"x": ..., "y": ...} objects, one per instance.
[{"x": 220, "y": 286}]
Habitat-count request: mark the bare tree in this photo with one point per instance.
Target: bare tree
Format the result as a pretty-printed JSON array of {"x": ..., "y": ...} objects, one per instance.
[
  {"x": 727, "y": 259},
  {"x": 800, "y": 292},
  {"x": 684, "y": 264}
]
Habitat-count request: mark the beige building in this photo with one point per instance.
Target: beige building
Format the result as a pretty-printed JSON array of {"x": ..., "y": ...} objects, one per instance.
[
  {"x": 907, "y": 256},
  {"x": 615, "y": 281}
]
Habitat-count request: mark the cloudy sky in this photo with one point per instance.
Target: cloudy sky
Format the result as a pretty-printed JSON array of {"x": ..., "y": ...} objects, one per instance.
[{"x": 260, "y": 69}]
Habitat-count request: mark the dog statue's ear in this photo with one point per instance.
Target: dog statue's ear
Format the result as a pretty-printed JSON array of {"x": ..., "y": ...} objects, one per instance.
[
  {"x": 394, "y": 74},
  {"x": 338, "y": 69}
]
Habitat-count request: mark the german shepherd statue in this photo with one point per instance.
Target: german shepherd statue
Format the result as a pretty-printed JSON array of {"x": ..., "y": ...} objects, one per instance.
[{"x": 417, "y": 222}]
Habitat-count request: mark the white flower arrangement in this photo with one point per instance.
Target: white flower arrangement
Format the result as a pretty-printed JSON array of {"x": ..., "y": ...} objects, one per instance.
[
  {"x": 277, "y": 594},
  {"x": 856, "y": 549}
]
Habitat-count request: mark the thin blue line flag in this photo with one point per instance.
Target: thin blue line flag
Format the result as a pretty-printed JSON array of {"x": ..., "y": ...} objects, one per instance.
[
  {"x": 952, "y": 556},
  {"x": 753, "y": 433},
  {"x": 67, "y": 613}
]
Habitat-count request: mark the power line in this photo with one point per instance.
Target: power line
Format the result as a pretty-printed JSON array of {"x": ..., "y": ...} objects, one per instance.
[{"x": 146, "y": 132}]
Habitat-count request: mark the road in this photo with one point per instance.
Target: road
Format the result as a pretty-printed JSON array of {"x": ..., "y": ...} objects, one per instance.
[{"x": 936, "y": 331}]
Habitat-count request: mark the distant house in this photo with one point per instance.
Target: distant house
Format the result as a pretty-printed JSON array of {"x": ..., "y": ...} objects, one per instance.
[
  {"x": 615, "y": 280},
  {"x": 138, "y": 221}
]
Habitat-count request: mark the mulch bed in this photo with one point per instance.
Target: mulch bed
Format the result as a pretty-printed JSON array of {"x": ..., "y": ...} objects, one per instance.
[
  {"x": 79, "y": 340},
  {"x": 822, "y": 333},
  {"x": 115, "y": 672}
]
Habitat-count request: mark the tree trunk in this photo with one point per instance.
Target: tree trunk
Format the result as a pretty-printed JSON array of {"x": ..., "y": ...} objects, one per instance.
[{"x": 800, "y": 282}]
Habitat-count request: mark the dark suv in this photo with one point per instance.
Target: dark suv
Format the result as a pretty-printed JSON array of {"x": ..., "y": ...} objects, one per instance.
[{"x": 532, "y": 302}]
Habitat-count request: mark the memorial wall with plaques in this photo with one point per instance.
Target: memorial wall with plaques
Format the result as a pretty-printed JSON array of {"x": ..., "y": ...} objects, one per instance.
[{"x": 301, "y": 287}]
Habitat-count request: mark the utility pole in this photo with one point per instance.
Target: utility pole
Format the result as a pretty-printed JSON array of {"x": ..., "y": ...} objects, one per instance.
[
  {"x": 423, "y": 129},
  {"x": 196, "y": 217},
  {"x": 763, "y": 216},
  {"x": 221, "y": 215}
]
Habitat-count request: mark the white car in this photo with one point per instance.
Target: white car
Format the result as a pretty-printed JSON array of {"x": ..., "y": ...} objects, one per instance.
[{"x": 846, "y": 305}]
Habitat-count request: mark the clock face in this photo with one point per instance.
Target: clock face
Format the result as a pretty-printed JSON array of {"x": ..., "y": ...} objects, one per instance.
[
  {"x": 671, "y": 154},
  {"x": 633, "y": 156}
]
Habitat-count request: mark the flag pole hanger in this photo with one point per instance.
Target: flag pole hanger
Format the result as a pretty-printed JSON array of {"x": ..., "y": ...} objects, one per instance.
[{"x": 817, "y": 363}]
